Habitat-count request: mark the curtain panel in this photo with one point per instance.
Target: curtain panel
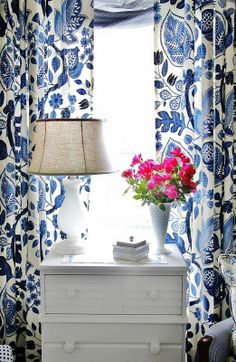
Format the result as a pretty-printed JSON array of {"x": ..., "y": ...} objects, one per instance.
[
  {"x": 46, "y": 67},
  {"x": 195, "y": 109}
]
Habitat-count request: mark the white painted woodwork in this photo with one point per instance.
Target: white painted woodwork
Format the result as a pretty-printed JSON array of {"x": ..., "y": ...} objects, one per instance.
[
  {"x": 111, "y": 333},
  {"x": 95, "y": 294},
  {"x": 112, "y": 353},
  {"x": 110, "y": 311}
]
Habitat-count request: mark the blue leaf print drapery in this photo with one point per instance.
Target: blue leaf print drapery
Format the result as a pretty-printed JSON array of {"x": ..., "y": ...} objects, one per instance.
[
  {"x": 195, "y": 106},
  {"x": 46, "y": 65}
]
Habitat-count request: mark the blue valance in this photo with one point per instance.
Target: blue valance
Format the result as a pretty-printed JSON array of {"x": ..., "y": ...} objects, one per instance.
[{"x": 123, "y": 13}]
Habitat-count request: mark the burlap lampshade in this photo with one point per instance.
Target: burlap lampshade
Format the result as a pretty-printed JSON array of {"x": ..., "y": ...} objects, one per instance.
[{"x": 70, "y": 147}]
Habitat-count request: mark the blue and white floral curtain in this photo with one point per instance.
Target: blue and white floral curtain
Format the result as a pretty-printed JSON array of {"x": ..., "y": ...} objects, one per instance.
[
  {"x": 195, "y": 109},
  {"x": 46, "y": 64}
]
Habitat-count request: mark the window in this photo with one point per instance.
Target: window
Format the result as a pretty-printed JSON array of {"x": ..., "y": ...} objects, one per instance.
[{"x": 124, "y": 96}]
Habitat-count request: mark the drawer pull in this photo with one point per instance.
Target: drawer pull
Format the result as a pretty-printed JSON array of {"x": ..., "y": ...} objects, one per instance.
[
  {"x": 155, "y": 347},
  {"x": 72, "y": 293},
  {"x": 69, "y": 347},
  {"x": 153, "y": 294}
]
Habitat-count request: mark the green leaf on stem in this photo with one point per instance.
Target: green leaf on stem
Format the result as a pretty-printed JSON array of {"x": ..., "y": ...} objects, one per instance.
[
  {"x": 125, "y": 192},
  {"x": 162, "y": 207},
  {"x": 137, "y": 197}
]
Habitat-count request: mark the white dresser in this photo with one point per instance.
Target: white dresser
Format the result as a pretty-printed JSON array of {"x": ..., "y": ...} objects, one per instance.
[{"x": 113, "y": 311}]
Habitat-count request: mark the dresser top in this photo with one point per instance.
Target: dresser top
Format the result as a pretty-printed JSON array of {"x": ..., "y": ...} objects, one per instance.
[{"x": 104, "y": 263}]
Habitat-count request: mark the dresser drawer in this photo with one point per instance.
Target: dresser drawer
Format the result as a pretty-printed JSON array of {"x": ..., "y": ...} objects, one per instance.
[
  {"x": 108, "y": 342},
  {"x": 85, "y": 294},
  {"x": 151, "y": 295},
  {"x": 76, "y": 294},
  {"x": 112, "y": 353},
  {"x": 113, "y": 332}
]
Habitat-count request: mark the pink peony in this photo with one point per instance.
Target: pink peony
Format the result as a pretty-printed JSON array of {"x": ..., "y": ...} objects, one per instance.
[
  {"x": 187, "y": 172},
  {"x": 157, "y": 180},
  {"x": 136, "y": 160},
  {"x": 128, "y": 173},
  {"x": 177, "y": 152},
  {"x": 146, "y": 169},
  {"x": 170, "y": 164},
  {"x": 171, "y": 191},
  {"x": 185, "y": 159},
  {"x": 160, "y": 167}
]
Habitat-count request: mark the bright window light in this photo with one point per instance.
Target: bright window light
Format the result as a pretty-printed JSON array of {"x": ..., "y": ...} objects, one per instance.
[{"x": 124, "y": 96}]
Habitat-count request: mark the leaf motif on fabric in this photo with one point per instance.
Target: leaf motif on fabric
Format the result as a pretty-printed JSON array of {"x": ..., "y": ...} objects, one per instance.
[
  {"x": 56, "y": 64},
  {"x": 213, "y": 27},
  {"x": 205, "y": 242},
  {"x": 165, "y": 94},
  {"x": 42, "y": 70},
  {"x": 24, "y": 149},
  {"x": 8, "y": 195},
  {"x": 179, "y": 85},
  {"x": 42, "y": 196},
  {"x": 164, "y": 69},
  {"x": 68, "y": 20},
  {"x": 170, "y": 122},
  {"x": 228, "y": 228},
  {"x": 175, "y": 103},
  {"x": 6, "y": 70},
  {"x": 53, "y": 185},
  {"x": 159, "y": 84},
  {"x": 24, "y": 188},
  {"x": 229, "y": 113},
  {"x": 176, "y": 38},
  {"x": 196, "y": 212}
]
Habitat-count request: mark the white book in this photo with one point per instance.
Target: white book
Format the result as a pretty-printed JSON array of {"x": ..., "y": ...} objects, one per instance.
[
  {"x": 131, "y": 244},
  {"x": 131, "y": 251},
  {"x": 130, "y": 257}
]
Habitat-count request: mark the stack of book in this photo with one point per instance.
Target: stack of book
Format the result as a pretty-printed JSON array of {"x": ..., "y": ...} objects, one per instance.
[{"x": 130, "y": 250}]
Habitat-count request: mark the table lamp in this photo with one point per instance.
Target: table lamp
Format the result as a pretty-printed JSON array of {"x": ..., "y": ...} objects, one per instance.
[{"x": 70, "y": 147}]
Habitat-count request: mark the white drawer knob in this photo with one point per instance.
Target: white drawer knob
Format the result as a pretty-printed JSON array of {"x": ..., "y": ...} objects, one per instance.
[
  {"x": 155, "y": 347},
  {"x": 72, "y": 293},
  {"x": 69, "y": 347},
  {"x": 153, "y": 294}
]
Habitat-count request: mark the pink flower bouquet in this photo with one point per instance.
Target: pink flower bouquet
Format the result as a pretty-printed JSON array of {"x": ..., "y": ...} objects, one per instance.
[{"x": 162, "y": 183}]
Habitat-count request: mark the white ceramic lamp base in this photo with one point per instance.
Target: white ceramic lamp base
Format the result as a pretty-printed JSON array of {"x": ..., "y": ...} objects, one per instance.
[
  {"x": 71, "y": 220},
  {"x": 70, "y": 246}
]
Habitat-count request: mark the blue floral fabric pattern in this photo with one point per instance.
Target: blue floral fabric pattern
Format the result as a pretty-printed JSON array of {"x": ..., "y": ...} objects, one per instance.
[
  {"x": 195, "y": 50},
  {"x": 227, "y": 263},
  {"x": 46, "y": 67}
]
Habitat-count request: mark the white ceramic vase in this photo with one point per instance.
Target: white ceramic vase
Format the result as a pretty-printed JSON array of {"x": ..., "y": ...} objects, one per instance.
[{"x": 159, "y": 222}]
